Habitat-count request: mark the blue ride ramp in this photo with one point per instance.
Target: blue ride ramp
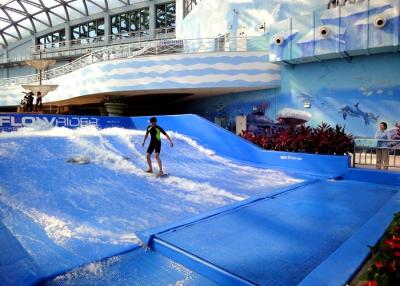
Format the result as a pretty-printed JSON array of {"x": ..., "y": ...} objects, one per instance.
[{"x": 76, "y": 201}]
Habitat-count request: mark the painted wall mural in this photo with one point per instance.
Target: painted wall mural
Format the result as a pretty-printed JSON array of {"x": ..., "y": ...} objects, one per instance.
[
  {"x": 356, "y": 29},
  {"x": 357, "y": 95},
  {"x": 211, "y": 18}
]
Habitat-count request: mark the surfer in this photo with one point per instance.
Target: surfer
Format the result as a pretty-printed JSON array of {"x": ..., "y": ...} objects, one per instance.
[{"x": 155, "y": 144}]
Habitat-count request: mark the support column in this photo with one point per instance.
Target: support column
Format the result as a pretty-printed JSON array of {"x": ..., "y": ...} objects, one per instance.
[
  {"x": 67, "y": 31},
  {"x": 152, "y": 19},
  {"x": 107, "y": 27}
]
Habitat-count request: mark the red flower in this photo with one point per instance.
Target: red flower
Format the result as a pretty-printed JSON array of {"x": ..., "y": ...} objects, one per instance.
[
  {"x": 397, "y": 254},
  {"x": 389, "y": 243},
  {"x": 378, "y": 264},
  {"x": 371, "y": 283}
]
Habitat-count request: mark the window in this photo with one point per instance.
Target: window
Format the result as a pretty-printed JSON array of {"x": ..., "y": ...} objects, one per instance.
[
  {"x": 100, "y": 27},
  {"x": 51, "y": 40},
  {"x": 115, "y": 28},
  {"x": 144, "y": 19},
  {"x": 133, "y": 21},
  {"x": 90, "y": 30},
  {"x": 165, "y": 17},
  {"x": 75, "y": 33},
  {"x": 83, "y": 30},
  {"x": 124, "y": 23},
  {"x": 188, "y": 6}
]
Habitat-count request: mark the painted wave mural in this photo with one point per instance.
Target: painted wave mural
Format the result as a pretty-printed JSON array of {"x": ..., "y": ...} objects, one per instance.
[{"x": 210, "y": 70}]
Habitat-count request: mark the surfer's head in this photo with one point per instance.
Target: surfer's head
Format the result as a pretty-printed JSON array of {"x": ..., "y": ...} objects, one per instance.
[
  {"x": 153, "y": 121},
  {"x": 382, "y": 126}
]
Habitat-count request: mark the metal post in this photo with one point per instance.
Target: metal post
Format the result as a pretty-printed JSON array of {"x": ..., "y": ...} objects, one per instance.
[{"x": 152, "y": 20}]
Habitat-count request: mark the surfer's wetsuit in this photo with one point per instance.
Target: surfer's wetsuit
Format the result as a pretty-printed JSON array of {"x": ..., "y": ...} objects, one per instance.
[{"x": 155, "y": 142}]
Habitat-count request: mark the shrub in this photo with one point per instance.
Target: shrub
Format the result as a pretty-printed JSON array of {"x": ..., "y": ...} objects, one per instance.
[
  {"x": 385, "y": 260},
  {"x": 321, "y": 140}
]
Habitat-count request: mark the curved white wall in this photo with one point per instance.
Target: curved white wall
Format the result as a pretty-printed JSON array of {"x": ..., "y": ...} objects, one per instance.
[{"x": 206, "y": 70}]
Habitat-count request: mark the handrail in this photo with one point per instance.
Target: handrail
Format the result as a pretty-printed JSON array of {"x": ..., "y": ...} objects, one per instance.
[
  {"x": 128, "y": 37},
  {"x": 16, "y": 59},
  {"x": 147, "y": 48},
  {"x": 378, "y": 153}
]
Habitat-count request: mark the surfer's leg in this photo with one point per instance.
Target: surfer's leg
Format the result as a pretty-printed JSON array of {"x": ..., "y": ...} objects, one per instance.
[
  {"x": 159, "y": 164},
  {"x": 148, "y": 157}
]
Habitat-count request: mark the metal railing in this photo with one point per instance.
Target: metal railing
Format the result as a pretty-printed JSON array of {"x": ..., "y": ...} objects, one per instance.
[
  {"x": 379, "y": 154},
  {"x": 17, "y": 59},
  {"x": 146, "y": 48},
  {"x": 85, "y": 45}
]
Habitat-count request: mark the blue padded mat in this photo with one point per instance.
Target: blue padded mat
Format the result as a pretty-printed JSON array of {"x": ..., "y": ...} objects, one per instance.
[
  {"x": 136, "y": 268},
  {"x": 279, "y": 241}
]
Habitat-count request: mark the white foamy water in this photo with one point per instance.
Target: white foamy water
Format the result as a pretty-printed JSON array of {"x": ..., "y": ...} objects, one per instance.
[
  {"x": 101, "y": 207},
  {"x": 62, "y": 230}
]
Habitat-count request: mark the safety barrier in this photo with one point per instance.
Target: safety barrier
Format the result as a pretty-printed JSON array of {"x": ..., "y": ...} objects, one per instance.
[{"x": 379, "y": 154}]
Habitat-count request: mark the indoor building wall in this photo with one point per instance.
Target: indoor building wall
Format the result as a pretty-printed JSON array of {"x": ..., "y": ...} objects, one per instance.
[{"x": 357, "y": 93}]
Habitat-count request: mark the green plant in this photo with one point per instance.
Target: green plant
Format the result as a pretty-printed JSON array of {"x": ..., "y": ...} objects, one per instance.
[
  {"x": 321, "y": 140},
  {"x": 385, "y": 258}
]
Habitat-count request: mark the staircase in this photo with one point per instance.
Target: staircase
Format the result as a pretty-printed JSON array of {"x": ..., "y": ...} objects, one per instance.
[
  {"x": 145, "y": 48},
  {"x": 100, "y": 55}
]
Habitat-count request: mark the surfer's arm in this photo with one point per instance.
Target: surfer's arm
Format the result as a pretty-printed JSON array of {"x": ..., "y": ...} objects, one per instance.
[
  {"x": 169, "y": 139},
  {"x": 166, "y": 135},
  {"x": 145, "y": 137}
]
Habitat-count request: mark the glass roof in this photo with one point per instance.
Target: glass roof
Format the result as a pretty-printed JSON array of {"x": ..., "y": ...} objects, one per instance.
[{"x": 21, "y": 18}]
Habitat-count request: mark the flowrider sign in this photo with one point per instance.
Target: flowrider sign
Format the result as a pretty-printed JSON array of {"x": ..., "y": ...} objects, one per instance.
[{"x": 11, "y": 122}]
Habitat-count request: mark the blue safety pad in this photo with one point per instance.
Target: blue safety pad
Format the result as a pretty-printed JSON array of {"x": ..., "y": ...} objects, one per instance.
[
  {"x": 136, "y": 268},
  {"x": 279, "y": 240},
  {"x": 14, "y": 259},
  {"x": 65, "y": 215}
]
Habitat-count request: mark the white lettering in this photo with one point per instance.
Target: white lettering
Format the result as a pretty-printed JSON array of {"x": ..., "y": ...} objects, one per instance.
[
  {"x": 60, "y": 121},
  {"x": 4, "y": 120},
  {"x": 27, "y": 120},
  {"x": 77, "y": 122},
  {"x": 13, "y": 123},
  {"x": 292, "y": 158},
  {"x": 8, "y": 122}
]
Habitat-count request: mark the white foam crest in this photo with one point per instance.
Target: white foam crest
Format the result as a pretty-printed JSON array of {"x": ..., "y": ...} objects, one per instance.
[
  {"x": 105, "y": 154},
  {"x": 192, "y": 143},
  {"x": 61, "y": 231},
  {"x": 201, "y": 193},
  {"x": 264, "y": 175},
  {"x": 196, "y": 192},
  {"x": 32, "y": 132},
  {"x": 99, "y": 154},
  {"x": 95, "y": 269},
  {"x": 44, "y": 129},
  {"x": 92, "y": 234}
]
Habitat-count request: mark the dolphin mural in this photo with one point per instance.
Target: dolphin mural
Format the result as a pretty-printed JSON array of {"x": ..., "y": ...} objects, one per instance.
[{"x": 355, "y": 111}]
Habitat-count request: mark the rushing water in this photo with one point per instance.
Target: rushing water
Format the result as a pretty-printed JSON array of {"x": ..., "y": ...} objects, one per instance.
[{"x": 76, "y": 213}]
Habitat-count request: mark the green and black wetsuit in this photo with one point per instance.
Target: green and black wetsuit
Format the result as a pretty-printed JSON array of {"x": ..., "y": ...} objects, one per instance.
[{"x": 155, "y": 142}]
